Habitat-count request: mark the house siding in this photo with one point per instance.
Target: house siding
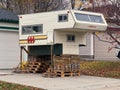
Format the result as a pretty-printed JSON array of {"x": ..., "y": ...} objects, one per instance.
[
  {"x": 101, "y": 49},
  {"x": 97, "y": 49}
]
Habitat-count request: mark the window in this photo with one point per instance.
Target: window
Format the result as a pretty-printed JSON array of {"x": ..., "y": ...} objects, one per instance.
[
  {"x": 32, "y": 29},
  {"x": 81, "y": 17},
  {"x": 96, "y": 19},
  {"x": 89, "y": 18},
  {"x": 63, "y": 18},
  {"x": 71, "y": 38}
]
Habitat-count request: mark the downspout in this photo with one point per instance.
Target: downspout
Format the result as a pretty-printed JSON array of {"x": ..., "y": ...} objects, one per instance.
[{"x": 93, "y": 45}]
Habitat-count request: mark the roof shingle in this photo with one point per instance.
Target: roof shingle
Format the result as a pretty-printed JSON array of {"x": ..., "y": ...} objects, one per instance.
[{"x": 6, "y": 15}]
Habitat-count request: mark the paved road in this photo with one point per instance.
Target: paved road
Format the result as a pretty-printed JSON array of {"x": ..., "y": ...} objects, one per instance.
[{"x": 67, "y": 83}]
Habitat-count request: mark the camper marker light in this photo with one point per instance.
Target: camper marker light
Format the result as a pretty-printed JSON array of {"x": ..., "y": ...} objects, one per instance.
[
  {"x": 20, "y": 17},
  {"x": 68, "y": 12}
]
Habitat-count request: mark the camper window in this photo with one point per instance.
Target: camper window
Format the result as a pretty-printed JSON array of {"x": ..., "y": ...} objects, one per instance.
[
  {"x": 32, "y": 29},
  {"x": 96, "y": 19},
  {"x": 81, "y": 17},
  {"x": 63, "y": 18},
  {"x": 71, "y": 38},
  {"x": 89, "y": 18}
]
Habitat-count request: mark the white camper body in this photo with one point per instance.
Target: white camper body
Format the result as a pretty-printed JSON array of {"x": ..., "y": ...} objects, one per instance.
[{"x": 66, "y": 29}]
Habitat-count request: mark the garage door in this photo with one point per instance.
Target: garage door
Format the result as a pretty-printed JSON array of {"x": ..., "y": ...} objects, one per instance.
[{"x": 9, "y": 49}]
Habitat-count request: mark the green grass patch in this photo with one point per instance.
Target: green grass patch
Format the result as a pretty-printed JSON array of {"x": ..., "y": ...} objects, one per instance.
[{"x": 12, "y": 86}]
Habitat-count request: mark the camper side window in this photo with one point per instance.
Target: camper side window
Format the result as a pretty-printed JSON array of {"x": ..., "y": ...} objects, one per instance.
[
  {"x": 32, "y": 29},
  {"x": 71, "y": 38},
  {"x": 62, "y": 17}
]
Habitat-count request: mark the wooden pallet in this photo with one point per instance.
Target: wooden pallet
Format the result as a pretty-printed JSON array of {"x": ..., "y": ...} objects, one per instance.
[
  {"x": 64, "y": 66},
  {"x": 49, "y": 73},
  {"x": 35, "y": 71},
  {"x": 76, "y": 73},
  {"x": 63, "y": 74},
  {"x": 36, "y": 67},
  {"x": 34, "y": 63}
]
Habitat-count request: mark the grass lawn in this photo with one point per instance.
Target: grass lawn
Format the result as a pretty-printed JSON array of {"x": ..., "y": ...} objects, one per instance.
[
  {"x": 101, "y": 68},
  {"x": 11, "y": 86}
]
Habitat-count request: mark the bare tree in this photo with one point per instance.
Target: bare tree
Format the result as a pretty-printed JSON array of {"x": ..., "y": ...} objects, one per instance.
[
  {"x": 45, "y": 5},
  {"x": 111, "y": 11},
  {"x": 30, "y": 6}
]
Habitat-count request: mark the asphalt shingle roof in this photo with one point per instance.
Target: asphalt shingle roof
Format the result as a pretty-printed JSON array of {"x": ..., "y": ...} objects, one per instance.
[{"x": 6, "y": 15}]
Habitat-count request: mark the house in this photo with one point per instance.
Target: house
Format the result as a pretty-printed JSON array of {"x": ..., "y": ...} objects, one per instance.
[
  {"x": 9, "y": 42},
  {"x": 99, "y": 47},
  {"x": 65, "y": 30}
]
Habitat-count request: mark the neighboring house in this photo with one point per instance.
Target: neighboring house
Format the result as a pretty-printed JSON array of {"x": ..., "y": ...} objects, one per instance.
[
  {"x": 101, "y": 51},
  {"x": 97, "y": 48},
  {"x": 9, "y": 45},
  {"x": 65, "y": 30}
]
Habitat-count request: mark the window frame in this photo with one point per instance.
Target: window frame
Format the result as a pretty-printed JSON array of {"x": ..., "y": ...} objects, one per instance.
[
  {"x": 32, "y": 26},
  {"x": 71, "y": 38},
  {"x": 63, "y": 17}
]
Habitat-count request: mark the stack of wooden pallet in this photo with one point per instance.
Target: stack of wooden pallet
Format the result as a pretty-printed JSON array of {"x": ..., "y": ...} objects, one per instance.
[
  {"x": 65, "y": 66},
  {"x": 36, "y": 67},
  {"x": 67, "y": 70}
]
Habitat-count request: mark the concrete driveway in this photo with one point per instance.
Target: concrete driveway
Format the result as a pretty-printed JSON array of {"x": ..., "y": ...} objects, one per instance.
[{"x": 67, "y": 83}]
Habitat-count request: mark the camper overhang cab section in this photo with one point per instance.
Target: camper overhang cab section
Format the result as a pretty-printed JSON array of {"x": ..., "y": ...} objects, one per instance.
[
  {"x": 89, "y": 21},
  {"x": 65, "y": 28}
]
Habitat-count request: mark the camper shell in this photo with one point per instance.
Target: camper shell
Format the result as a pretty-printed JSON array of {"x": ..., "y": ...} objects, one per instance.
[{"x": 64, "y": 30}]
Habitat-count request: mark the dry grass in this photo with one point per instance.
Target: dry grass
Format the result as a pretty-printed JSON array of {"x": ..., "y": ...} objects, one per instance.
[{"x": 101, "y": 68}]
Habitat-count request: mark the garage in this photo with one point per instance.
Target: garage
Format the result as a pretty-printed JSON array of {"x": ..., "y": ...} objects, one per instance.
[
  {"x": 9, "y": 42},
  {"x": 9, "y": 52}
]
